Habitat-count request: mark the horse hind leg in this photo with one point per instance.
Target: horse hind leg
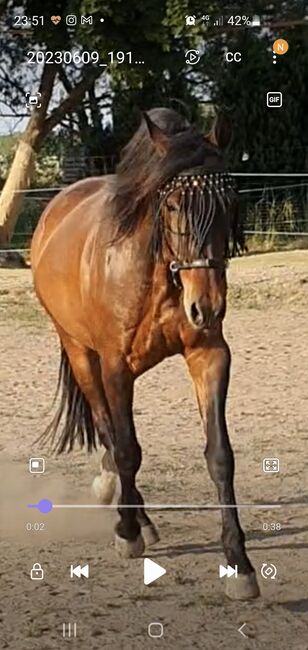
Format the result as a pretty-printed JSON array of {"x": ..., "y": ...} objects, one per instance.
[
  {"x": 83, "y": 390},
  {"x": 87, "y": 416}
]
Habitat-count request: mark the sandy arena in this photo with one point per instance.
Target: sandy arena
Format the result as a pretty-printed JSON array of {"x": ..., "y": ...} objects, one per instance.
[{"x": 267, "y": 328}]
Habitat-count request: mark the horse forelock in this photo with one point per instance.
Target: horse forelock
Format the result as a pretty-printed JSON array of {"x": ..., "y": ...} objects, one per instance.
[{"x": 205, "y": 199}]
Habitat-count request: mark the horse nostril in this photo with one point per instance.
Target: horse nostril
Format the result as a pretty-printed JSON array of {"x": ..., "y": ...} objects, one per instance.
[
  {"x": 196, "y": 314},
  {"x": 219, "y": 312}
]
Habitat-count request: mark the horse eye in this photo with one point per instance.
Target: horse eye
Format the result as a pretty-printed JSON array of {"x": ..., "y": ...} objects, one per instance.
[{"x": 171, "y": 206}]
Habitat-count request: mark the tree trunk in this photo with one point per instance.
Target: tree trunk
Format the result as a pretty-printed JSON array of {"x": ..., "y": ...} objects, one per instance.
[
  {"x": 20, "y": 174},
  {"x": 11, "y": 198}
]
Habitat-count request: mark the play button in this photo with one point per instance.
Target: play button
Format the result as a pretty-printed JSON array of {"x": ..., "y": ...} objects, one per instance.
[{"x": 152, "y": 571}]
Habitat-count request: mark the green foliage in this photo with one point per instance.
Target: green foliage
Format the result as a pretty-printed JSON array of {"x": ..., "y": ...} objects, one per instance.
[
  {"x": 156, "y": 32},
  {"x": 274, "y": 137},
  {"x": 7, "y": 142},
  {"x": 7, "y": 149},
  {"x": 47, "y": 165},
  {"x": 31, "y": 210}
]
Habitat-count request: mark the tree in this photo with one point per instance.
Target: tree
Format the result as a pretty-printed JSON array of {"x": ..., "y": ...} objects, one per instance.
[
  {"x": 141, "y": 27},
  {"x": 156, "y": 32},
  {"x": 40, "y": 122},
  {"x": 274, "y": 139}
]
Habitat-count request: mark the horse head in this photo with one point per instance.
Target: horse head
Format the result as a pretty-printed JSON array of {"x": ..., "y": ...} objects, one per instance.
[{"x": 196, "y": 216}]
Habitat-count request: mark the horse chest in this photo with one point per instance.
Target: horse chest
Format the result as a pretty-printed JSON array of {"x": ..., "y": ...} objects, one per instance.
[{"x": 156, "y": 338}]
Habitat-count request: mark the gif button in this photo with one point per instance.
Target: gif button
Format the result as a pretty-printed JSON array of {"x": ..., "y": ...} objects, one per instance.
[{"x": 274, "y": 100}]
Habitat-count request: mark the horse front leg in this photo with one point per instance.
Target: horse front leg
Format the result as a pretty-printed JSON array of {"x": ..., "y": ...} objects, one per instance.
[
  {"x": 209, "y": 367},
  {"x": 118, "y": 384}
]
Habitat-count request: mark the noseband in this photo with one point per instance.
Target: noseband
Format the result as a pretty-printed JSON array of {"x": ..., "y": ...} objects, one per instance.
[
  {"x": 202, "y": 263},
  {"x": 195, "y": 185}
]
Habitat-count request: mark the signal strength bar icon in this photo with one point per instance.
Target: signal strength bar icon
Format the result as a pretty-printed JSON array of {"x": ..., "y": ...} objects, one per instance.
[{"x": 219, "y": 21}]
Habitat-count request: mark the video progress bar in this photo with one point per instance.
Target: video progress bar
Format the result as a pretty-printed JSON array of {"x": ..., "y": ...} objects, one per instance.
[
  {"x": 45, "y": 506},
  {"x": 170, "y": 506}
]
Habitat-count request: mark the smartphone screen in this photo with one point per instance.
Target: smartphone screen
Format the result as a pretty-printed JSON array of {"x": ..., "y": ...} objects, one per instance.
[{"x": 153, "y": 317}]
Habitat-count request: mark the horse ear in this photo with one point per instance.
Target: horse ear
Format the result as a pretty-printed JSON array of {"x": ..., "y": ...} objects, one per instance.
[
  {"x": 158, "y": 137},
  {"x": 221, "y": 132}
]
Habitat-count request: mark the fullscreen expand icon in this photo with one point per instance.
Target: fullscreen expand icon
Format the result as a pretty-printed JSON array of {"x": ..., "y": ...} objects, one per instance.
[{"x": 270, "y": 465}]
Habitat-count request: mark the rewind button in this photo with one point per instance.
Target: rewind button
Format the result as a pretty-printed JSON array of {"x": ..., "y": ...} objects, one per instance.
[{"x": 79, "y": 571}]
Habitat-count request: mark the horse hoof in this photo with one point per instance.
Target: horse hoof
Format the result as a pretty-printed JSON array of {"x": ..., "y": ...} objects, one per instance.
[
  {"x": 127, "y": 549},
  {"x": 104, "y": 487},
  {"x": 150, "y": 535},
  {"x": 244, "y": 587}
]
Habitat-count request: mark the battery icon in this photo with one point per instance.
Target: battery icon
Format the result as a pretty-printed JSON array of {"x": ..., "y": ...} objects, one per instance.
[{"x": 256, "y": 21}]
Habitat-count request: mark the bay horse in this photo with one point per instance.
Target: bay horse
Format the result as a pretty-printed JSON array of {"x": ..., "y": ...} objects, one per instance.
[{"x": 131, "y": 269}]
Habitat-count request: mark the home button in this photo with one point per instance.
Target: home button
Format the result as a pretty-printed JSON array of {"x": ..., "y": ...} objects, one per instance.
[{"x": 155, "y": 630}]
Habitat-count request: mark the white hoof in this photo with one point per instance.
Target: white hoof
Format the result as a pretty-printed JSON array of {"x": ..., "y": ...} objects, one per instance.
[
  {"x": 104, "y": 487},
  {"x": 244, "y": 587},
  {"x": 150, "y": 535},
  {"x": 127, "y": 549}
]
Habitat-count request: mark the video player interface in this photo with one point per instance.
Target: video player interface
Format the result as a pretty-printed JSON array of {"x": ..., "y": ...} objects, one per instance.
[{"x": 153, "y": 292}]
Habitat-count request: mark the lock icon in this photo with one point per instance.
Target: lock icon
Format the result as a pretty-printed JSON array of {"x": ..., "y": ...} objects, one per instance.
[
  {"x": 36, "y": 572},
  {"x": 190, "y": 20}
]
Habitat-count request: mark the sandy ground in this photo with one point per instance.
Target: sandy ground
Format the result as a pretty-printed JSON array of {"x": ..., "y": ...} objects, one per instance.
[{"x": 267, "y": 329}]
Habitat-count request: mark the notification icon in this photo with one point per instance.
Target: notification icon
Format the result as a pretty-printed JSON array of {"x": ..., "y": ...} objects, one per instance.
[{"x": 280, "y": 47}]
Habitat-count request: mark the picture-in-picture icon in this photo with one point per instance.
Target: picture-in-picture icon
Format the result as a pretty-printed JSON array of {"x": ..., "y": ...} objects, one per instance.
[{"x": 37, "y": 465}]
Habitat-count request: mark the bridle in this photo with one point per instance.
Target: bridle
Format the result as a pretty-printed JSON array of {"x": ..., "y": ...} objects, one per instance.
[
  {"x": 194, "y": 183},
  {"x": 202, "y": 263}
]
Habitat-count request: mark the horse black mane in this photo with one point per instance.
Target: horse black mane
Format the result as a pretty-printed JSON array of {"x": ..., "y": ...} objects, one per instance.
[{"x": 142, "y": 171}]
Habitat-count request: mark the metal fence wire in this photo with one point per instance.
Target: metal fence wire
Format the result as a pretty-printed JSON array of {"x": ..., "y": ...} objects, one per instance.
[{"x": 273, "y": 206}]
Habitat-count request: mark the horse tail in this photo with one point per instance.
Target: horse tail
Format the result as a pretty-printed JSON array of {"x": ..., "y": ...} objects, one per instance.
[{"x": 74, "y": 408}]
